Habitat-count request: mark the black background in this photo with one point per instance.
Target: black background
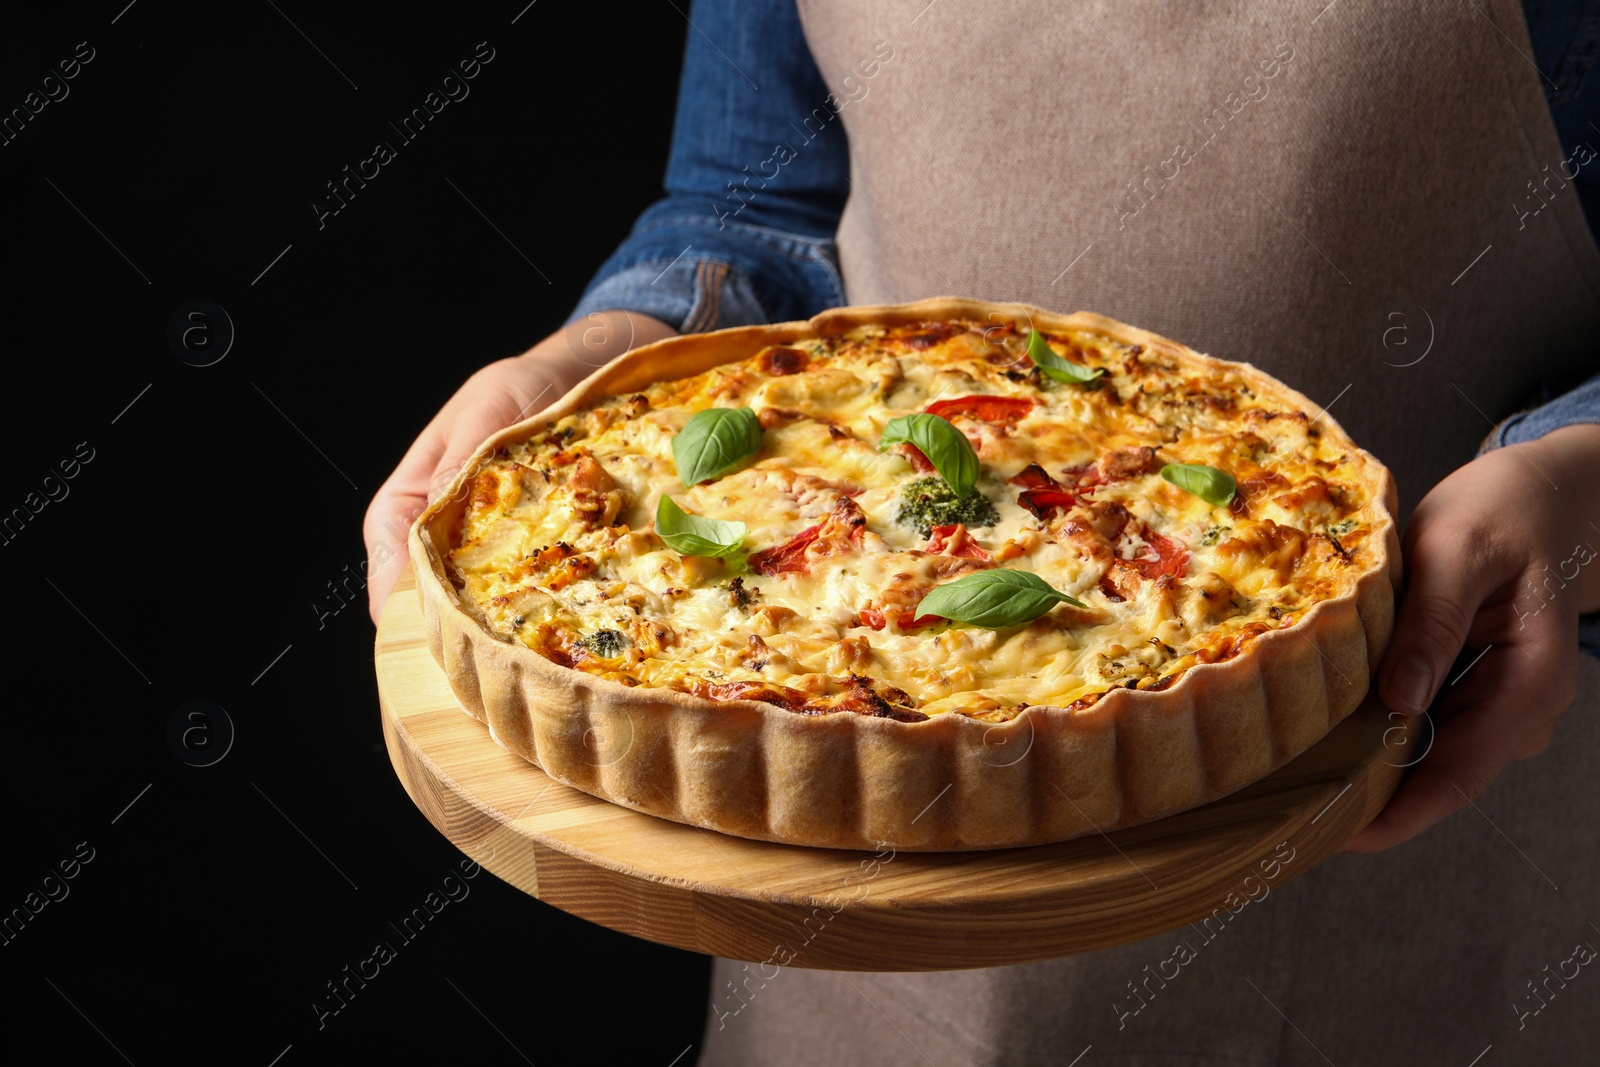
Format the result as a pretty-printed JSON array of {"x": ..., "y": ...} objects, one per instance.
[{"x": 188, "y": 553}]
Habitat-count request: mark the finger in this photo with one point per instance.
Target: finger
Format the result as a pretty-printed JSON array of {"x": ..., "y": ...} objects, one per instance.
[
  {"x": 1536, "y": 743},
  {"x": 433, "y": 462},
  {"x": 1451, "y": 575},
  {"x": 394, "y": 508},
  {"x": 385, "y": 530},
  {"x": 1516, "y": 693},
  {"x": 470, "y": 428},
  {"x": 1466, "y": 756}
]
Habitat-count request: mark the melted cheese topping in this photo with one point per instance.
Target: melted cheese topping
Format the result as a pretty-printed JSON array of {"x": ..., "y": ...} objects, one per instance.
[{"x": 558, "y": 550}]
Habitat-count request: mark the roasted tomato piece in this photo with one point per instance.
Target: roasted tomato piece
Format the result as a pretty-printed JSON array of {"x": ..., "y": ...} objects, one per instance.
[
  {"x": 1034, "y": 476},
  {"x": 1162, "y": 555},
  {"x": 842, "y": 530},
  {"x": 839, "y": 533},
  {"x": 906, "y": 620},
  {"x": 1172, "y": 557},
  {"x": 789, "y": 556},
  {"x": 899, "y": 605},
  {"x": 1121, "y": 580},
  {"x": 1084, "y": 477},
  {"x": 1008, "y": 410},
  {"x": 1119, "y": 583},
  {"x": 1042, "y": 495},
  {"x": 919, "y": 462},
  {"x": 954, "y": 540},
  {"x": 1046, "y": 503}
]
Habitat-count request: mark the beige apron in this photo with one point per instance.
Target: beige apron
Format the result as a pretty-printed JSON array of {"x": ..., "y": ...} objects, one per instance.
[{"x": 1367, "y": 200}]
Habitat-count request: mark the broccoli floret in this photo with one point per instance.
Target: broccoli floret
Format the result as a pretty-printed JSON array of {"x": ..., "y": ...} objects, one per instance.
[
  {"x": 929, "y": 502},
  {"x": 607, "y": 644}
]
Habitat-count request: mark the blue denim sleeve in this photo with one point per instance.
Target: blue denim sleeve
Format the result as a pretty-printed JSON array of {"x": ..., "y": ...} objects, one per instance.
[
  {"x": 755, "y": 183},
  {"x": 1555, "y": 411},
  {"x": 1565, "y": 35}
]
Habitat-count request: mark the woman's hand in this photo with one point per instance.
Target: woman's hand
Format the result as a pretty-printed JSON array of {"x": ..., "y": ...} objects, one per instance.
[
  {"x": 1499, "y": 559},
  {"x": 493, "y": 398}
]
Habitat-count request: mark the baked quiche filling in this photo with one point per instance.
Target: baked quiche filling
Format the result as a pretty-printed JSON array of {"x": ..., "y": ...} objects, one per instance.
[{"x": 1155, "y": 516}]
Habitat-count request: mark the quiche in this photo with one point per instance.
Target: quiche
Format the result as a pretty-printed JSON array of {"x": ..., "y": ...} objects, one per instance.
[{"x": 945, "y": 575}]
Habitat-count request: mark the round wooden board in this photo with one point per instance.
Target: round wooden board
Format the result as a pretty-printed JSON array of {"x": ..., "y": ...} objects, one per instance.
[{"x": 841, "y": 910}]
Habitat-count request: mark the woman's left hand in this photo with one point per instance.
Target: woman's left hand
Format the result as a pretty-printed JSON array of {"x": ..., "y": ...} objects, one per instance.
[{"x": 1498, "y": 558}]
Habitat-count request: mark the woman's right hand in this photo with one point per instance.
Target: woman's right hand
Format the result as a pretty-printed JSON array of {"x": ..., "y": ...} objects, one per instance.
[{"x": 494, "y": 397}]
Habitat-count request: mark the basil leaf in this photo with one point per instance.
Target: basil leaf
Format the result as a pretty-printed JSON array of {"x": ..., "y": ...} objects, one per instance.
[
  {"x": 946, "y": 447},
  {"x": 1209, "y": 484},
  {"x": 714, "y": 442},
  {"x": 1062, "y": 370},
  {"x": 695, "y": 535},
  {"x": 994, "y": 598}
]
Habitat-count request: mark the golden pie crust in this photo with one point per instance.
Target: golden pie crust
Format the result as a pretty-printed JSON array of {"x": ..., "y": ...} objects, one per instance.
[{"x": 951, "y": 782}]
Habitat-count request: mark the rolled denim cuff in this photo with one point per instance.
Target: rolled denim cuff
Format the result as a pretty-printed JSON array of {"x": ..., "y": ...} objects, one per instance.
[
  {"x": 1570, "y": 408},
  {"x": 1555, "y": 411},
  {"x": 690, "y": 295},
  {"x": 696, "y": 272}
]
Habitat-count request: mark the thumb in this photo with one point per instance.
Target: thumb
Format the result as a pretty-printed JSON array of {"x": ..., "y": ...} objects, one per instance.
[
  {"x": 449, "y": 465},
  {"x": 387, "y": 525},
  {"x": 1448, "y": 583},
  {"x": 420, "y": 481},
  {"x": 491, "y": 399}
]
